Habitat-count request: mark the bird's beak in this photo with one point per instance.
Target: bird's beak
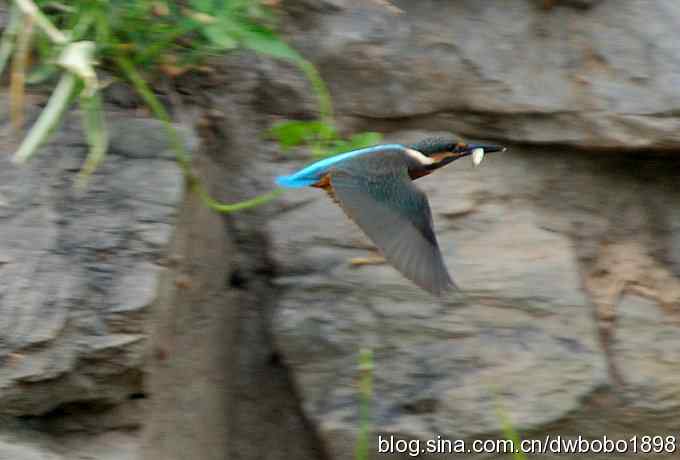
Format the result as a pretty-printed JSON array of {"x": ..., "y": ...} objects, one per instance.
[
  {"x": 462, "y": 150},
  {"x": 468, "y": 149},
  {"x": 478, "y": 151}
]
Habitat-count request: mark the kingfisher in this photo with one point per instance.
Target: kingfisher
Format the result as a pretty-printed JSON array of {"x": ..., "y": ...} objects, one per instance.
[{"x": 374, "y": 187}]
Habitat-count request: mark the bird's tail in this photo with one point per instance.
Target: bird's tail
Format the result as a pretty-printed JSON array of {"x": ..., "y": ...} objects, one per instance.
[{"x": 294, "y": 182}]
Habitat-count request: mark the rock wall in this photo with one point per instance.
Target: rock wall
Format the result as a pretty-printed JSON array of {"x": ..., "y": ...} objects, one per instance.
[
  {"x": 530, "y": 71},
  {"x": 568, "y": 261},
  {"x": 79, "y": 271},
  {"x": 565, "y": 319},
  {"x": 218, "y": 388},
  {"x": 201, "y": 375}
]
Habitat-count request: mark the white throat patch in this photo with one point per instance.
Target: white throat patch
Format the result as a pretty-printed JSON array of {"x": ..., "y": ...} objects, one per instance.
[{"x": 419, "y": 157}]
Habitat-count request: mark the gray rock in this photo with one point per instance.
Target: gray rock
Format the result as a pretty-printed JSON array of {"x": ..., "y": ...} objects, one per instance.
[
  {"x": 79, "y": 270},
  {"x": 528, "y": 236},
  {"x": 31, "y": 445},
  {"x": 15, "y": 448},
  {"x": 672, "y": 252},
  {"x": 217, "y": 389},
  {"x": 520, "y": 335},
  {"x": 605, "y": 76},
  {"x": 646, "y": 354},
  {"x": 112, "y": 445},
  {"x": 122, "y": 95}
]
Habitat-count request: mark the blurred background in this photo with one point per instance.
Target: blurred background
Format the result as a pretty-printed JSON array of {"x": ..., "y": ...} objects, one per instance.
[{"x": 160, "y": 299}]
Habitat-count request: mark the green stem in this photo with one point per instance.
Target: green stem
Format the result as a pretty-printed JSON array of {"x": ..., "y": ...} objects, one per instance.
[
  {"x": 8, "y": 36},
  {"x": 30, "y": 9},
  {"x": 84, "y": 23},
  {"x": 157, "y": 108},
  {"x": 96, "y": 133},
  {"x": 181, "y": 155},
  {"x": 325, "y": 104},
  {"x": 506, "y": 425},
  {"x": 365, "y": 396},
  {"x": 240, "y": 206},
  {"x": 157, "y": 48},
  {"x": 49, "y": 117}
]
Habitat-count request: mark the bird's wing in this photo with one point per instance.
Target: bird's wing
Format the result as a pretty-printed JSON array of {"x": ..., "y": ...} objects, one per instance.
[{"x": 381, "y": 198}]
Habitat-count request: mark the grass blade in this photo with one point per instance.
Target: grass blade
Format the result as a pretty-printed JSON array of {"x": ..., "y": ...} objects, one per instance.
[
  {"x": 509, "y": 431},
  {"x": 94, "y": 126},
  {"x": 49, "y": 117},
  {"x": 240, "y": 206},
  {"x": 18, "y": 76},
  {"x": 9, "y": 36},
  {"x": 31, "y": 10},
  {"x": 365, "y": 397}
]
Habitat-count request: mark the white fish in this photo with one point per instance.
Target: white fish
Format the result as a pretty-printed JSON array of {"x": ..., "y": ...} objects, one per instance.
[{"x": 477, "y": 156}]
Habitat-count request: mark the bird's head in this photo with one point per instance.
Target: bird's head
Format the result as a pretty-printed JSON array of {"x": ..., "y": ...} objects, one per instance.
[{"x": 442, "y": 151}]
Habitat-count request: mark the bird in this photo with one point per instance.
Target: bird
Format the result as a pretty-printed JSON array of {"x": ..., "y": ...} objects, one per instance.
[{"x": 374, "y": 187}]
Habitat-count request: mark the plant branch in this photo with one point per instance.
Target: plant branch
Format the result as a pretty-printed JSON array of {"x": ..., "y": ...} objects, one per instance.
[
  {"x": 18, "y": 74},
  {"x": 181, "y": 155},
  {"x": 49, "y": 117},
  {"x": 30, "y": 9},
  {"x": 8, "y": 36}
]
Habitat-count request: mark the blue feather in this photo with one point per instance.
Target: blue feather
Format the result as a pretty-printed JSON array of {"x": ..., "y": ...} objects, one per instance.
[
  {"x": 315, "y": 171},
  {"x": 293, "y": 182}
]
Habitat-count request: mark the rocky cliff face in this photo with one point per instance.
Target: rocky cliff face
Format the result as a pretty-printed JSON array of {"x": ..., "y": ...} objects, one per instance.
[
  {"x": 80, "y": 270},
  {"x": 79, "y": 273},
  {"x": 557, "y": 252},
  {"x": 564, "y": 321},
  {"x": 568, "y": 259},
  {"x": 530, "y": 71}
]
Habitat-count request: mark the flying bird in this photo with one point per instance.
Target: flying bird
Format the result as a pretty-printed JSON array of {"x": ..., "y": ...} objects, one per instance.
[{"x": 374, "y": 187}]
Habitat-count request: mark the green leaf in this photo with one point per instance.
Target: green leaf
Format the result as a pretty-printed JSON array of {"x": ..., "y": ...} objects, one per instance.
[
  {"x": 264, "y": 41},
  {"x": 219, "y": 37},
  {"x": 165, "y": 41},
  {"x": 293, "y": 133},
  {"x": 204, "y": 6},
  {"x": 365, "y": 139}
]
